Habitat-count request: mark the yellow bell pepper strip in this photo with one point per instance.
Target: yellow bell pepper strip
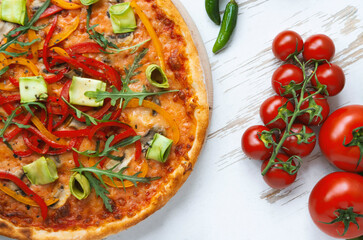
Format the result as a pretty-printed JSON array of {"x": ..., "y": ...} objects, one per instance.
[
  {"x": 3, "y": 61},
  {"x": 154, "y": 37},
  {"x": 66, "y": 5},
  {"x": 60, "y": 51},
  {"x": 38, "y": 124},
  {"x": 62, "y": 35},
  {"x": 147, "y": 104},
  {"x": 34, "y": 48},
  {"x": 9, "y": 87},
  {"x": 24, "y": 62},
  {"x": 25, "y": 200}
]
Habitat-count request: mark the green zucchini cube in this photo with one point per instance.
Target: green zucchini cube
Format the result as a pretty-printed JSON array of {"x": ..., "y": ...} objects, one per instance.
[
  {"x": 80, "y": 86},
  {"x": 32, "y": 89}
]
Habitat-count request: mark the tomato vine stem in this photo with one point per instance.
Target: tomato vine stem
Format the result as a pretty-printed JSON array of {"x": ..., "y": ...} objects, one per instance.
[{"x": 299, "y": 100}]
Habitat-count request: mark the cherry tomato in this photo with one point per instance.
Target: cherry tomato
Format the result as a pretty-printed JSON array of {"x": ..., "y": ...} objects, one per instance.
[
  {"x": 336, "y": 130},
  {"x": 287, "y": 43},
  {"x": 278, "y": 178},
  {"x": 272, "y": 108},
  {"x": 255, "y": 144},
  {"x": 291, "y": 145},
  {"x": 283, "y": 77},
  {"x": 331, "y": 76},
  {"x": 320, "y": 106},
  {"x": 335, "y": 194},
  {"x": 319, "y": 47}
]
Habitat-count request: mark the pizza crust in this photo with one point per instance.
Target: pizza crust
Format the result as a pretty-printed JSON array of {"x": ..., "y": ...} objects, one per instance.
[{"x": 177, "y": 178}]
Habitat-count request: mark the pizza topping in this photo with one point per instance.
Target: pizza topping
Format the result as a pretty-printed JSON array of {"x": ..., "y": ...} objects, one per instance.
[
  {"x": 35, "y": 197},
  {"x": 32, "y": 89},
  {"x": 122, "y": 18},
  {"x": 13, "y": 11},
  {"x": 41, "y": 171},
  {"x": 79, "y": 185},
  {"x": 156, "y": 76},
  {"x": 160, "y": 148},
  {"x": 66, "y": 5},
  {"x": 81, "y": 85},
  {"x": 88, "y": 2}
]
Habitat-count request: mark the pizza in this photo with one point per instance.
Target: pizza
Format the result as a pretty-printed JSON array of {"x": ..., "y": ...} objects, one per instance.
[{"x": 103, "y": 114}]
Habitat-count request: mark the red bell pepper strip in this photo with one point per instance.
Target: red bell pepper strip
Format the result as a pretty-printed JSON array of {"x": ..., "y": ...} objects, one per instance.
[
  {"x": 78, "y": 64},
  {"x": 87, "y": 47},
  {"x": 33, "y": 146},
  {"x": 45, "y": 46},
  {"x": 57, "y": 77},
  {"x": 102, "y": 111},
  {"x": 50, "y": 117},
  {"x": 8, "y": 99},
  {"x": 113, "y": 76},
  {"x": 94, "y": 129},
  {"x": 72, "y": 133},
  {"x": 53, "y": 9},
  {"x": 14, "y": 81},
  {"x": 8, "y": 108},
  {"x": 116, "y": 114},
  {"x": 27, "y": 191},
  {"x": 25, "y": 153}
]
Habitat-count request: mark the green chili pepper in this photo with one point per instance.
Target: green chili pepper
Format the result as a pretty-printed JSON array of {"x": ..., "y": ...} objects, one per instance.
[
  {"x": 79, "y": 186},
  {"x": 156, "y": 76},
  {"x": 228, "y": 24},
  {"x": 212, "y": 8}
]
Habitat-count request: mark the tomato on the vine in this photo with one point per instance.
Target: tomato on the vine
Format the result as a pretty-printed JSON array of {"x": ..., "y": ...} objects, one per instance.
[
  {"x": 319, "y": 47},
  {"x": 302, "y": 144},
  {"x": 273, "y": 109},
  {"x": 287, "y": 43},
  {"x": 257, "y": 142},
  {"x": 336, "y": 202},
  {"x": 278, "y": 178},
  {"x": 331, "y": 77},
  {"x": 318, "y": 110},
  {"x": 285, "y": 79},
  {"x": 342, "y": 127}
]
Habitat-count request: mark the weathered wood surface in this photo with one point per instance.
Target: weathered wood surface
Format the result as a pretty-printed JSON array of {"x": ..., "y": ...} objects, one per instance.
[{"x": 225, "y": 197}]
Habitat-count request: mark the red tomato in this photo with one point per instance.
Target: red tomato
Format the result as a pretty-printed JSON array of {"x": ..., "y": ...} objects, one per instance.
[
  {"x": 278, "y": 178},
  {"x": 331, "y": 76},
  {"x": 340, "y": 126},
  {"x": 255, "y": 144},
  {"x": 291, "y": 145},
  {"x": 283, "y": 77},
  {"x": 287, "y": 43},
  {"x": 320, "y": 106},
  {"x": 339, "y": 190},
  {"x": 272, "y": 108},
  {"x": 319, "y": 47}
]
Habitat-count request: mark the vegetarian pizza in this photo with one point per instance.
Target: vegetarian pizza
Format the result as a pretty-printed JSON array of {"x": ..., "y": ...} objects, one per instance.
[{"x": 103, "y": 113}]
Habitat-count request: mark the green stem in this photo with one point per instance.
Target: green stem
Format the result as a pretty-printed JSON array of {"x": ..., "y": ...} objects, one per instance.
[{"x": 296, "y": 113}]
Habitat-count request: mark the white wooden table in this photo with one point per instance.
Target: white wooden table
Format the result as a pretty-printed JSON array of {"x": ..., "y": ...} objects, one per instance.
[{"x": 225, "y": 197}]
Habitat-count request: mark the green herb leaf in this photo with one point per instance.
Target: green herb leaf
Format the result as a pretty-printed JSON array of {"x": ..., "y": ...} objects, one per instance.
[
  {"x": 24, "y": 44},
  {"x": 4, "y": 70},
  {"x": 108, "y": 149},
  {"x": 99, "y": 189},
  {"x": 126, "y": 94},
  {"x": 37, "y": 104},
  {"x": 13, "y": 35},
  {"x": 8, "y": 121},
  {"x": 89, "y": 119}
]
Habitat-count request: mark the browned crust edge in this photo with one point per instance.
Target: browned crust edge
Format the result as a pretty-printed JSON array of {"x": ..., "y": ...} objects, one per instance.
[{"x": 178, "y": 177}]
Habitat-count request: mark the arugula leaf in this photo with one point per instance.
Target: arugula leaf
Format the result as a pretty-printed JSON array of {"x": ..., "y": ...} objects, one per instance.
[
  {"x": 126, "y": 94},
  {"x": 27, "y": 106},
  {"x": 99, "y": 189},
  {"x": 24, "y": 44},
  {"x": 108, "y": 149},
  {"x": 8, "y": 121},
  {"x": 4, "y": 70},
  {"x": 79, "y": 113},
  {"x": 13, "y": 35},
  {"x": 96, "y": 36},
  {"x": 111, "y": 174}
]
